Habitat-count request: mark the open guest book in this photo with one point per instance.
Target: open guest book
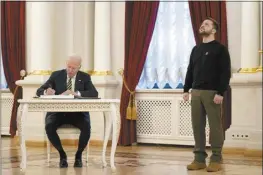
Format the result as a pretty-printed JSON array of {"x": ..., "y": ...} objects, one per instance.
[
  {"x": 65, "y": 97},
  {"x": 57, "y": 96}
]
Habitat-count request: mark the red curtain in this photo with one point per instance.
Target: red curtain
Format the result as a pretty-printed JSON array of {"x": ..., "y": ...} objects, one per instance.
[
  {"x": 13, "y": 21},
  {"x": 199, "y": 10},
  {"x": 140, "y": 17}
]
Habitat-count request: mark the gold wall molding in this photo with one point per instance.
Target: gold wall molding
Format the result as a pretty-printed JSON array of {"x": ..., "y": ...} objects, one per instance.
[
  {"x": 98, "y": 73},
  {"x": 90, "y": 72},
  {"x": 248, "y": 70},
  {"x": 40, "y": 72},
  {"x": 259, "y": 69},
  {"x": 252, "y": 70}
]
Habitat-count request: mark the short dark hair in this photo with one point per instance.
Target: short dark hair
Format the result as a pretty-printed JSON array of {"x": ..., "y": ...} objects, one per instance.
[{"x": 215, "y": 23}]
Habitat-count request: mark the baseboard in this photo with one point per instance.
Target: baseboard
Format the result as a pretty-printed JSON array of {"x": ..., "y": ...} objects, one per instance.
[
  {"x": 233, "y": 151},
  {"x": 66, "y": 142},
  {"x": 242, "y": 151},
  {"x": 253, "y": 153}
]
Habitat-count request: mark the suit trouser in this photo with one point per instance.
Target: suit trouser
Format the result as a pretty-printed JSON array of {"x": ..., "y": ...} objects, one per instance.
[
  {"x": 202, "y": 103},
  {"x": 55, "y": 120}
]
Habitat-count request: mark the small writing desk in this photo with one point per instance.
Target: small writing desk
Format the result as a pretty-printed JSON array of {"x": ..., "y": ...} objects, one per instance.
[{"x": 111, "y": 106}]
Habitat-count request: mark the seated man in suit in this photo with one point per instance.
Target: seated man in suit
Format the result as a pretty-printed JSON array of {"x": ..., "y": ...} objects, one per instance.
[{"x": 69, "y": 81}]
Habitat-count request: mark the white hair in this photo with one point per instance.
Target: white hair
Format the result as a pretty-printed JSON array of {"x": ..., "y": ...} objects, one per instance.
[{"x": 75, "y": 57}]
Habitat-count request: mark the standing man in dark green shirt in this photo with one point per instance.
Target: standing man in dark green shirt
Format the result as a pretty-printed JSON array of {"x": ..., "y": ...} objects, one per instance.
[{"x": 208, "y": 76}]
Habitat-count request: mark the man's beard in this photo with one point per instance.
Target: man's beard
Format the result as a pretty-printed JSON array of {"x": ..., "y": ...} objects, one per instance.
[{"x": 204, "y": 33}]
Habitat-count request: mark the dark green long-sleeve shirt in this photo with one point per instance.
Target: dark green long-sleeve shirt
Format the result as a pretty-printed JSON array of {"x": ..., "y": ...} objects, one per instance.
[{"x": 209, "y": 68}]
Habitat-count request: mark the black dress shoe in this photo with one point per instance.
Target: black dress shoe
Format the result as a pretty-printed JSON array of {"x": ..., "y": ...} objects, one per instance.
[
  {"x": 78, "y": 163},
  {"x": 63, "y": 163}
]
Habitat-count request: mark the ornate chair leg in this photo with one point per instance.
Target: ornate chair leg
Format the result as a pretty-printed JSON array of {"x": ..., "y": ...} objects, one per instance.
[
  {"x": 48, "y": 151},
  {"x": 87, "y": 154}
]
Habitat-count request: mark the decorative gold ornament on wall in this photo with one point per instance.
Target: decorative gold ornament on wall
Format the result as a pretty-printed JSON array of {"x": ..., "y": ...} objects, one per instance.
[
  {"x": 40, "y": 72},
  {"x": 90, "y": 72},
  {"x": 247, "y": 70},
  {"x": 260, "y": 53},
  {"x": 98, "y": 73},
  {"x": 252, "y": 70}
]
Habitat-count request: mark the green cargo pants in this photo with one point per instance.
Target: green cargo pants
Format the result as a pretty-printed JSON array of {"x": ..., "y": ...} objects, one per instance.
[{"x": 202, "y": 104}]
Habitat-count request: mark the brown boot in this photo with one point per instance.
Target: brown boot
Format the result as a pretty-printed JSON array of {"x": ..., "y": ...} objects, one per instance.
[
  {"x": 214, "y": 167},
  {"x": 196, "y": 166}
]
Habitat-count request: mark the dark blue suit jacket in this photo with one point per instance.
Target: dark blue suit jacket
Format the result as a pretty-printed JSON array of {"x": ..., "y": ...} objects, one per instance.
[{"x": 58, "y": 82}]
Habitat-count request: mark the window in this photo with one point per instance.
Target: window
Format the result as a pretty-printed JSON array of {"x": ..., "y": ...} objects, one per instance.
[
  {"x": 170, "y": 48},
  {"x": 3, "y": 84}
]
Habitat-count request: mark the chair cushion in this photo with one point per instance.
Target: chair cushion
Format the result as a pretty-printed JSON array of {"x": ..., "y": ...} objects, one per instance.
[{"x": 68, "y": 129}]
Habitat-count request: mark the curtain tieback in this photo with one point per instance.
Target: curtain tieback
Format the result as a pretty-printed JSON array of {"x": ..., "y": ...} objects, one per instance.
[{"x": 131, "y": 113}]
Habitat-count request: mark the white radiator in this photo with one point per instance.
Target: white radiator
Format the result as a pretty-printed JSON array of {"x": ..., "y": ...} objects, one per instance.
[
  {"x": 164, "y": 118},
  {"x": 6, "y": 110}
]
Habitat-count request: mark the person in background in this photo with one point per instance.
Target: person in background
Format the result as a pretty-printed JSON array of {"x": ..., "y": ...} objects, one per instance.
[{"x": 208, "y": 76}]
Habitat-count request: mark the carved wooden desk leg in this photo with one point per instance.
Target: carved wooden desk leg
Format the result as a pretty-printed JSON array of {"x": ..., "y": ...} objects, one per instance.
[
  {"x": 115, "y": 132},
  {"x": 20, "y": 126},
  {"x": 107, "y": 131}
]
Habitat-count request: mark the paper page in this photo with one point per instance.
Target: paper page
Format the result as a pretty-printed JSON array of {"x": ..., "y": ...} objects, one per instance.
[{"x": 57, "y": 96}]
